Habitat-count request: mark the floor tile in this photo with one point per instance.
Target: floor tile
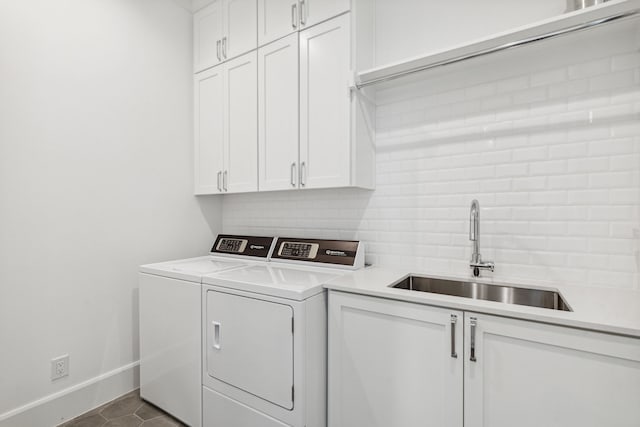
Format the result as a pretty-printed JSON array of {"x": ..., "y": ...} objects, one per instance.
[
  {"x": 148, "y": 411},
  {"x": 126, "y": 405}
]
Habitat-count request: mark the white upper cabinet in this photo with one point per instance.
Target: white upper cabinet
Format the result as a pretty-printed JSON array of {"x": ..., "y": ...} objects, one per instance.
[
  {"x": 278, "y": 114},
  {"x": 226, "y": 127},
  {"x": 241, "y": 33},
  {"x": 208, "y": 30},
  {"x": 209, "y": 130},
  {"x": 315, "y": 11},
  {"x": 276, "y": 19},
  {"x": 224, "y": 30},
  {"x": 325, "y": 121},
  {"x": 241, "y": 124}
]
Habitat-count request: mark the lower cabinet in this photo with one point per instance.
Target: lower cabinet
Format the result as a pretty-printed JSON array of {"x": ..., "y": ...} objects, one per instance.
[
  {"x": 393, "y": 363},
  {"x": 529, "y": 374}
]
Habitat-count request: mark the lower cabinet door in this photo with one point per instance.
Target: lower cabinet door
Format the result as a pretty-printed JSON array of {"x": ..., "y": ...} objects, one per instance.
[
  {"x": 393, "y": 364},
  {"x": 529, "y": 374}
]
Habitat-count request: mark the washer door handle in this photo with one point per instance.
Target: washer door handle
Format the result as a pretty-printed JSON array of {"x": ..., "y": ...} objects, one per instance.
[{"x": 216, "y": 335}]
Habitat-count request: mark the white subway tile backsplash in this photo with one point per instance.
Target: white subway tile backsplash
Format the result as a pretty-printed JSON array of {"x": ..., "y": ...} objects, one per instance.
[
  {"x": 548, "y": 77},
  {"x": 590, "y": 68},
  {"x": 552, "y": 154}
]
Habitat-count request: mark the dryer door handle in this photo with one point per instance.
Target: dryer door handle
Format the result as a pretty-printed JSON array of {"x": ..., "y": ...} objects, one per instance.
[{"x": 216, "y": 335}]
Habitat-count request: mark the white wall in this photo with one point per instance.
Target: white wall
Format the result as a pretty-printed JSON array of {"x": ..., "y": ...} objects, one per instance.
[
  {"x": 547, "y": 138},
  {"x": 407, "y": 28},
  {"x": 95, "y": 178}
]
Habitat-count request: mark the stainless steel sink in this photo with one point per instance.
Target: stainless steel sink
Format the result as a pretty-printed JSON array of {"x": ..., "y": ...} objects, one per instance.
[{"x": 500, "y": 293}]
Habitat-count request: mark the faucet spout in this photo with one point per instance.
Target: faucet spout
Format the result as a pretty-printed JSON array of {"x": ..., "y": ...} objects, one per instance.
[{"x": 474, "y": 235}]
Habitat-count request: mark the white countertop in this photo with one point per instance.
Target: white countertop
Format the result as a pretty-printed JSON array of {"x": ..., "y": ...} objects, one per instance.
[{"x": 599, "y": 309}]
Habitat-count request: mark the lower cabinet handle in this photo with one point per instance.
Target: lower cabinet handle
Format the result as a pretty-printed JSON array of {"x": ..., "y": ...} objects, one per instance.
[
  {"x": 473, "y": 322},
  {"x": 293, "y": 174},
  {"x": 294, "y": 16},
  {"x": 224, "y": 180},
  {"x": 219, "y": 176},
  {"x": 303, "y": 174},
  {"x": 218, "y": 50},
  {"x": 216, "y": 335},
  {"x": 454, "y": 320}
]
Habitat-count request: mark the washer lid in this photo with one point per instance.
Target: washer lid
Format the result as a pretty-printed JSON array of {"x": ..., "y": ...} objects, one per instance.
[
  {"x": 192, "y": 269},
  {"x": 297, "y": 283}
]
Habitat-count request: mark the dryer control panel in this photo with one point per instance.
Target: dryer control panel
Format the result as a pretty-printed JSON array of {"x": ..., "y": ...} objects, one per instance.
[
  {"x": 251, "y": 246},
  {"x": 338, "y": 253}
]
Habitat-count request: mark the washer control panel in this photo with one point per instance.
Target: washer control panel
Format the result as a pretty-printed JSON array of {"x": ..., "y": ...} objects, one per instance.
[
  {"x": 232, "y": 245},
  {"x": 299, "y": 250},
  {"x": 337, "y": 253},
  {"x": 251, "y": 246}
]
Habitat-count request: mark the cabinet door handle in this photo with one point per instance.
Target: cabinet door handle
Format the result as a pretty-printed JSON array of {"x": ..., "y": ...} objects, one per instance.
[
  {"x": 224, "y": 47},
  {"x": 294, "y": 16},
  {"x": 224, "y": 180},
  {"x": 303, "y": 12},
  {"x": 473, "y": 322},
  {"x": 218, "y": 50},
  {"x": 303, "y": 174},
  {"x": 216, "y": 335},
  {"x": 293, "y": 174},
  {"x": 454, "y": 320},
  {"x": 219, "y": 176}
]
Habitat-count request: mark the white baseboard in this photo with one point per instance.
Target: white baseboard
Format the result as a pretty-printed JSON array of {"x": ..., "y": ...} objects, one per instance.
[{"x": 66, "y": 404}]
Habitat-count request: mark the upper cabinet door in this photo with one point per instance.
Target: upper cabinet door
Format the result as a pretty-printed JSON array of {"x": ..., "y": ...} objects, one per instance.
[
  {"x": 209, "y": 130},
  {"x": 278, "y": 114},
  {"x": 530, "y": 374},
  {"x": 241, "y": 22},
  {"x": 241, "y": 124},
  {"x": 276, "y": 19},
  {"x": 325, "y": 123},
  {"x": 316, "y": 11},
  {"x": 208, "y": 29}
]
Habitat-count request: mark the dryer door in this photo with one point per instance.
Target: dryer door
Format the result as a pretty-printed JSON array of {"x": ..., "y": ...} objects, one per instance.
[{"x": 250, "y": 345}]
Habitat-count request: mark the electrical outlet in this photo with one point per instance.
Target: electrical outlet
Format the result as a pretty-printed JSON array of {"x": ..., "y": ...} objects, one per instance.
[{"x": 59, "y": 367}]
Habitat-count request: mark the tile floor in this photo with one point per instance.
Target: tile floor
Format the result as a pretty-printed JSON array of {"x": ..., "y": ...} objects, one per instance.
[{"x": 126, "y": 411}]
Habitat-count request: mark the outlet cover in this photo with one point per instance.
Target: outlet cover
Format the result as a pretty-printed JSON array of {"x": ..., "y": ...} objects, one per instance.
[{"x": 59, "y": 367}]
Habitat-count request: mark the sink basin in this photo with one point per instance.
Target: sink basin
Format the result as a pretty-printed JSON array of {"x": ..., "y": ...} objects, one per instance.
[{"x": 500, "y": 293}]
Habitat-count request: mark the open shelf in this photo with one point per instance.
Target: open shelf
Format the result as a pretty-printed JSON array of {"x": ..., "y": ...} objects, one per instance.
[{"x": 549, "y": 28}]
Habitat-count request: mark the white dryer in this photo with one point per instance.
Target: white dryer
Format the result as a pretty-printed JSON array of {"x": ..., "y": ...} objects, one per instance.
[
  {"x": 170, "y": 322},
  {"x": 265, "y": 336}
]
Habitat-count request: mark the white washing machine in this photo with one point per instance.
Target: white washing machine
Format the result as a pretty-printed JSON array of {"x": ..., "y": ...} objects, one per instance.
[
  {"x": 265, "y": 336},
  {"x": 170, "y": 322}
]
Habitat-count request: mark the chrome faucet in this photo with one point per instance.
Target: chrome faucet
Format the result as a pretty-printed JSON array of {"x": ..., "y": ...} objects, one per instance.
[{"x": 474, "y": 235}]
